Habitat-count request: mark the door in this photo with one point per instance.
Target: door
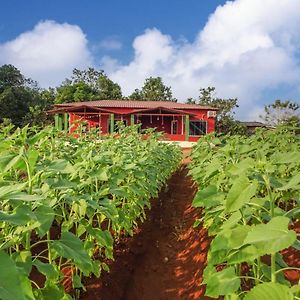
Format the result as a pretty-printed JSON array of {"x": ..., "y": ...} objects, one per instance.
[{"x": 174, "y": 127}]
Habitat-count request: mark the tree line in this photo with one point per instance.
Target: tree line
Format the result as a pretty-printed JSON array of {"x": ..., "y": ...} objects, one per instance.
[{"x": 22, "y": 101}]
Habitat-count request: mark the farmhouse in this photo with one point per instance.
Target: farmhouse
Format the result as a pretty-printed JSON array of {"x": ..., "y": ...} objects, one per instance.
[{"x": 179, "y": 121}]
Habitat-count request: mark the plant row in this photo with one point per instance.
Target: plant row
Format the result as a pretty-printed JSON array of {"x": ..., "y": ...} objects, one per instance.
[
  {"x": 249, "y": 189},
  {"x": 65, "y": 201}
]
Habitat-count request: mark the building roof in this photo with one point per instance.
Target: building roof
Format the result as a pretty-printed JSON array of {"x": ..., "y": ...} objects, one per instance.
[
  {"x": 136, "y": 104},
  {"x": 254, "y": 124}
]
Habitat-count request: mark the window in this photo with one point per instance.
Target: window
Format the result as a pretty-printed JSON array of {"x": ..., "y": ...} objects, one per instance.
[{"x": 198, "y": 127}]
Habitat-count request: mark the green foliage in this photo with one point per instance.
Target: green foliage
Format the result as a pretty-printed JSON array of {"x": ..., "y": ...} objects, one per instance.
[
  {"x": 282, "y": 113},
  {"x": 65, "y": 200},
  {"x": 250, "y": 195},
  {"x": 87, "y": 85},
  {"x": 225, "y": 122},
  {"x": 266, "y": 291},
  {"x": 153, "y": 90},
  {"x": 20, "y": 99}
]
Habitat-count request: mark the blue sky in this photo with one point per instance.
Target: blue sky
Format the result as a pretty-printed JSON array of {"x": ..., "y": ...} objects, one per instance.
[
  {"x": 100, "y": 20},
  {"x": 245, "y": 48}
]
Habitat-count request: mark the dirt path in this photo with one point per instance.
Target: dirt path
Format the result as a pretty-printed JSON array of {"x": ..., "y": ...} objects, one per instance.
[{"x": 166, "y": 258}]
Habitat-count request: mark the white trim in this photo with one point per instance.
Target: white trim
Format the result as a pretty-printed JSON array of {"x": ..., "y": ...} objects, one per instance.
[{"x": 173, "y": 122}]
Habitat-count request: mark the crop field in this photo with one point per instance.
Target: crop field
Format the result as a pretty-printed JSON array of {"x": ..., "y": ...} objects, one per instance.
[
  {"x": 125, "y": 218},
  {"x": 249, "y": 192},
  {"x": 65, "y": 202}
]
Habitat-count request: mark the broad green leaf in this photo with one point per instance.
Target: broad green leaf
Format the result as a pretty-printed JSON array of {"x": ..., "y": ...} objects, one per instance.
[
  {"x": 286, "y": 158},
  {"x": 268, "y": 291},
  {"x": 222, "y": 283},
  {"x": 294, "y": 183},
  {"x": 271, "y": 237},
  {"x": 14, "y": 285},
  {"x": 295, "y": 289},
  {"x": 208, "y": 197},
  {"x": 241, "y": 167},
  {"x": 61, "y": 166},
  {"x": 21, "y": 216},
  {"x": 103, "y": 237},
  {"x": 12, "y": 162},
  {"x": 77, "y": 284},
  {"x": 232, "y": 221},
  {"x": 245, "y": 254},
  {"x": 293, "y": 213},
  {"x": 50, "y": 291},
  {"x": 71, "y": 247},
  {"x": 46, "y": 269},
  {"x": 45, "y": 216},
  {"x": 240, "y": 193},
  {"x": 60, "y": 184},
  {"x": 226, "y": 242},
  {"x": 24, "y": 197},
  {"x": 5, "y": 191},
  {"x": 23, "y": 260}
]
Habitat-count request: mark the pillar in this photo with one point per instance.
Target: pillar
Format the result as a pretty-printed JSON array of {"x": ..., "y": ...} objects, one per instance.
[
  {"x": 187, "y": 127},
  {"x": 132, "y": 119},
  {"x": 60, "y": 122},
  {"x": 66, "y": 122},
  {"x": 112, "y": 123},
  {"x": 56, "y": 122}
]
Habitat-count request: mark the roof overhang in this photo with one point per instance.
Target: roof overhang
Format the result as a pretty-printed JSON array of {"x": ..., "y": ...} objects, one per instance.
[
  {"x": 78, "y": 109},
  {"x": 159, "y": 110}
]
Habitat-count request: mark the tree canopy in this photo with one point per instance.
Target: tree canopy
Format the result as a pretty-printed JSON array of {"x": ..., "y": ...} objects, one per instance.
[
  {"x": 18, "y": 95},
  {"x": 225, "y": 121},
  {"x": 153, "y": 89},
  {"x": 88, "y": 85},
  {"x": 282, "y": 112}
]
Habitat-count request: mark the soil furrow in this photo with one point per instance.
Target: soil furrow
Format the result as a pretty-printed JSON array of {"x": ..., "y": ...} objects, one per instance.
[{"x": 166, "y": 257}]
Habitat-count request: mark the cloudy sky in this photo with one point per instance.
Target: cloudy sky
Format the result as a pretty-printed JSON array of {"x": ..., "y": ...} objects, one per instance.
[{"x": 249, "y": 49}]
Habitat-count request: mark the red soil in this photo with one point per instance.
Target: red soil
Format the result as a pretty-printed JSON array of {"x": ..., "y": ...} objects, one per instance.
[{"x": 165, "y": 259}]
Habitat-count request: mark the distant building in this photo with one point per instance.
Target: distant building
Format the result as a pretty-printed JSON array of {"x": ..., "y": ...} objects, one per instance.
[
  {"x": 251, "y": 126},
  {"x": 179, "y": 121}
]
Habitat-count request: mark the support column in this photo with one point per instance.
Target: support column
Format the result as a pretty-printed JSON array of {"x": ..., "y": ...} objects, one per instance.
[
  {"x": 132, "y": 119},
  {"x": 187, "y": 127},
  {"x": 60, "y": 122},
  {"x": 66, "y": 122},
  {"x": 112, "y": 123},
  {"x": 56, "y": 122}
]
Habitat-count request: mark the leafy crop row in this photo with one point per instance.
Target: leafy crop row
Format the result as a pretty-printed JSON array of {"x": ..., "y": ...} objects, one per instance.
[
  {"x": 249, "y": 189},
  {"x": 64, "y": 201}
]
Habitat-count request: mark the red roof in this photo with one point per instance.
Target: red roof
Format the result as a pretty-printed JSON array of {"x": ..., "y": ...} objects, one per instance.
[{"x": 136, "y": 104}]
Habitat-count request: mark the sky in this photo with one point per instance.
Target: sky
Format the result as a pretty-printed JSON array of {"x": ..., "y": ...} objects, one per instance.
[{"x": 249, "y": 49}]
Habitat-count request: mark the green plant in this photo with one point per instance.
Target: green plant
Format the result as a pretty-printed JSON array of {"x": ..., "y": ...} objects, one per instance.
[
  {"x": 249, "y": 191},
  {"x": 65, "y": 200}
]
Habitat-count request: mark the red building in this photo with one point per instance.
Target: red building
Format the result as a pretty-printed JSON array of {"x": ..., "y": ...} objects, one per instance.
[{"x": 179, "y": 121}]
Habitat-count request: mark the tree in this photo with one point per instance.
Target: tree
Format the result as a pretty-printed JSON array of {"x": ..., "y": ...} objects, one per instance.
[
  {"x": 17, "y": 94},
  {"x": 10, "y": 77},
  {"x": 153, "y": 89},
  {"x": 21, "y": 101},
  {"x": 136, "y": 95},
  {"x": 37, "y": 114},
  {"x": 225, "y": 121},
  {"x": 108, "y": 89},
  {"x": 281, "y": 112},
  {"x": 88, "y": 85}
]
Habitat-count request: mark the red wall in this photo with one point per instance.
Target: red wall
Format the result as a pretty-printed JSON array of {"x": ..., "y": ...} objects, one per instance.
[{"x": 162, "y": 123}]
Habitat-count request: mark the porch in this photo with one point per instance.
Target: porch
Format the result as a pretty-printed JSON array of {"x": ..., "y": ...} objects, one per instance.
[{"x": 176, "y": 124}]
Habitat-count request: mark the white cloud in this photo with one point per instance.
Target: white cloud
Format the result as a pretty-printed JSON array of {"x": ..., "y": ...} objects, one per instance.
[
  {"x": 111, "y": 43},
  {"x": 246, "y": 48},
  {"x": 48, "y": 53}
]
